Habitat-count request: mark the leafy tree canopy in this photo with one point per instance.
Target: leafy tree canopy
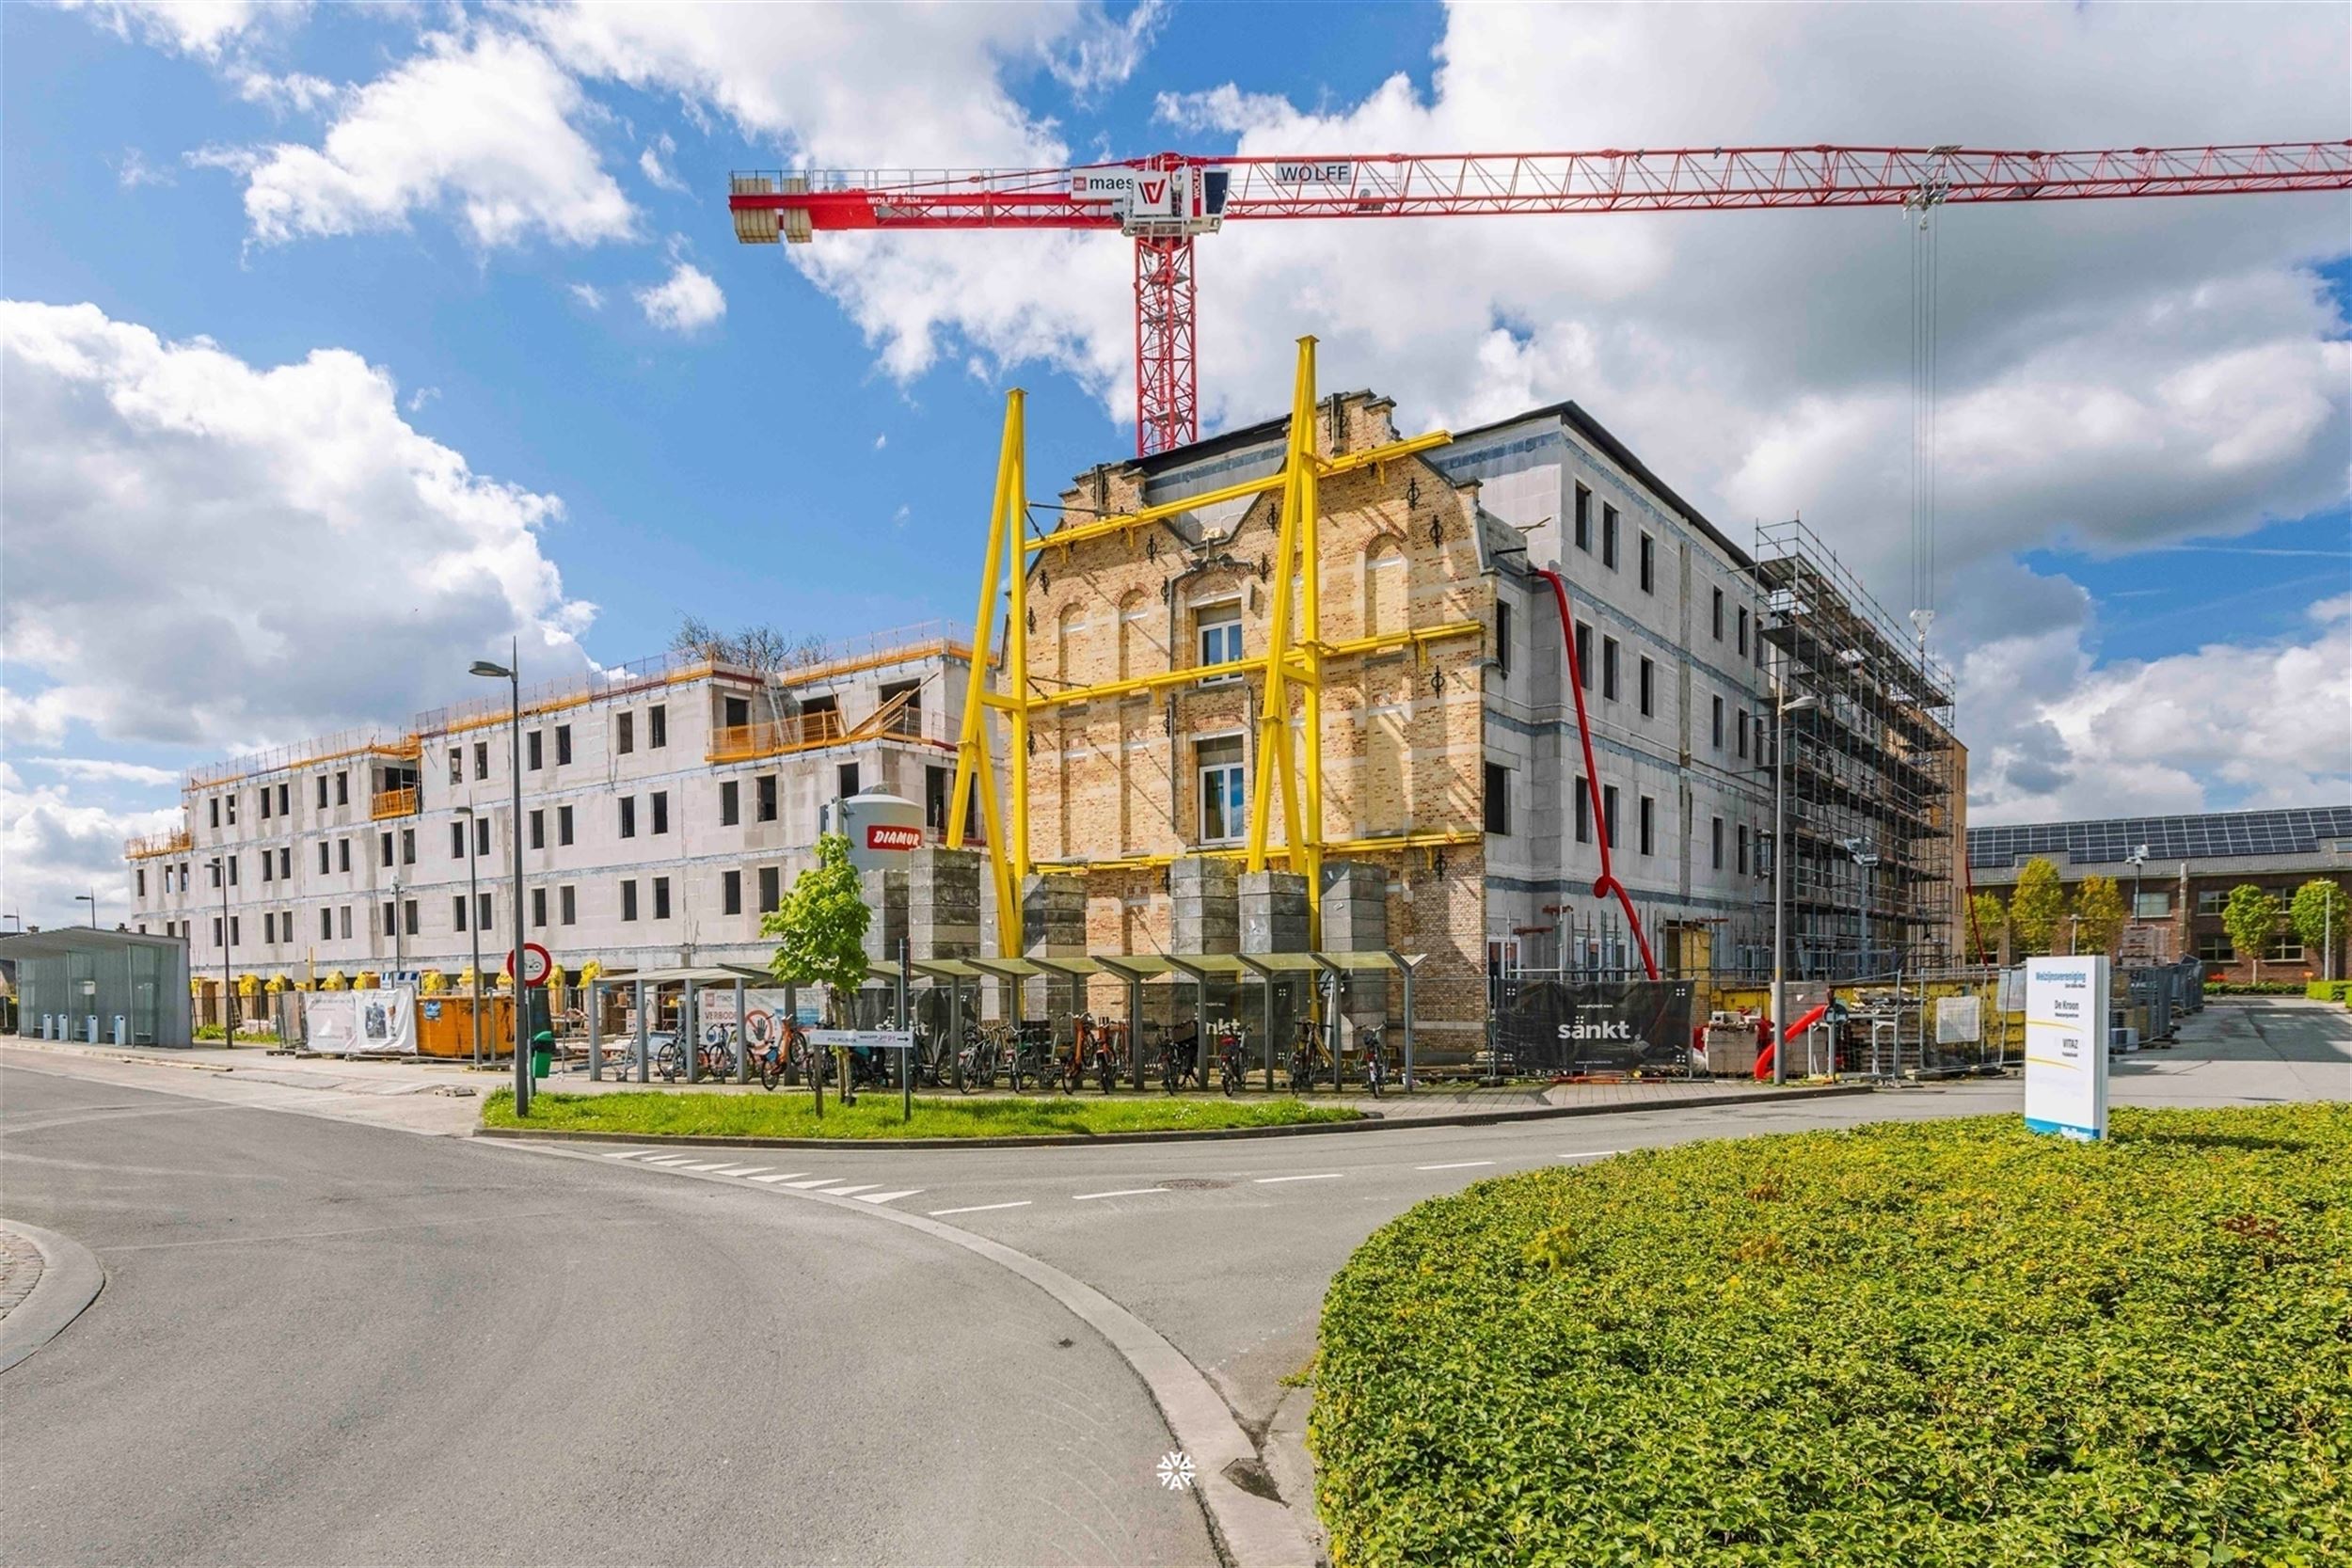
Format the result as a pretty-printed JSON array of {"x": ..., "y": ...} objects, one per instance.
[{"x": 820, "y": 925}]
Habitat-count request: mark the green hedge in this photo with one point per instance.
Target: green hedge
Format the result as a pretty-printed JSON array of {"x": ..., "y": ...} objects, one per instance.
[
  {"x": 2241, "y": 988},
  {"x": 1943, "y": 1345},
  {"x": 2329, "y": 991}
]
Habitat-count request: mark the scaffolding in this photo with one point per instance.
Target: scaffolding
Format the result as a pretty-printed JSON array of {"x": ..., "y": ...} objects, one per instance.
[{"x": 1872, "y": 816}]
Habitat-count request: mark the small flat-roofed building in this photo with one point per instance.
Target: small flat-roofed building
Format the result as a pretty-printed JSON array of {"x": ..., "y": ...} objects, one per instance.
[{"x": 110, "y": 988}]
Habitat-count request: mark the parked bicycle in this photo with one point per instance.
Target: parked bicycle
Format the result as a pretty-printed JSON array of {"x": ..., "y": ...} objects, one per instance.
[
  {"x": 1311, "y": 1059},
  {"x": 978, "y": 1057},
  {"x": 1096, "y": 1050},
  {"x": 715, "y": 1056},
  {"x": 664, "y": 1056},
  {"x": 1179, "y": 1060},
  {"x": 1231, "y": 1047},
  {"x": 784, "y": 1058},
  {"x": 1378, "y": 1073}
]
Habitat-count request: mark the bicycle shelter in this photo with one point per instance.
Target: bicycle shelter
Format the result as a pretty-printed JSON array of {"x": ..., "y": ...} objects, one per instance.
[
  {"x": 647, "y": 985},
  {"x": 1134, "y": 970}
]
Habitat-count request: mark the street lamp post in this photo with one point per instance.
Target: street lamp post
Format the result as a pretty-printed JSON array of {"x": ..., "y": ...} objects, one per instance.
[
  {"x": 397, "y": 913},
  {"x": 228, "y": 1016},
  {"x": 474, "y": 924},
  {"x": 91, "y": 900},
  {"x": 1783, "y": 705},
  {"x": 510, "y": 672},
  {"x": 2138, "y": 857}
]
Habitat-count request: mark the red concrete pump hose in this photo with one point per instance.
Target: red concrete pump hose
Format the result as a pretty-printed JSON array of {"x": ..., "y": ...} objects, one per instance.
[{"x": 1608, "y": 883}]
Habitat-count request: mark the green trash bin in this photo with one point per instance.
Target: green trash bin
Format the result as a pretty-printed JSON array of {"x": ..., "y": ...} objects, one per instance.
[{"x": 542, "y": 1053}]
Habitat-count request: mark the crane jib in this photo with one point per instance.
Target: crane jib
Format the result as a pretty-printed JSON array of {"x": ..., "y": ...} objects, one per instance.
[{"x": 1166, "y": 201}]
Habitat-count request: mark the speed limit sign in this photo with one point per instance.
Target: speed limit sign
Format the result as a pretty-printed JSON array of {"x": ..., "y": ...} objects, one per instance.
[{"x": 537, "y": 963}]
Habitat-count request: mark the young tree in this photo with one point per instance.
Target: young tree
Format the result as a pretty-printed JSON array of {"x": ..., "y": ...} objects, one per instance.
[
  {"x": 2099, "y": 909},
  {"x": 2037, "y": 906},
  {"x": 2250, "y": 916},
  {"x": 2318, "y": 915},
  {"x": 1990, "y": 920},
  {"x": 819, "y": 929}
]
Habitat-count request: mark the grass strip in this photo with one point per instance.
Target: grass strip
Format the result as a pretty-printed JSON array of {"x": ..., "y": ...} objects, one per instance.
[
  {"x": 1939, "y": 1345},
  {"x": 656, "y": 1113}
]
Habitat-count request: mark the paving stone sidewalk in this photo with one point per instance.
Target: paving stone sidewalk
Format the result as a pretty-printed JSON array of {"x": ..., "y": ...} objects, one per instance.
[{"x": 19, "y": 1270}]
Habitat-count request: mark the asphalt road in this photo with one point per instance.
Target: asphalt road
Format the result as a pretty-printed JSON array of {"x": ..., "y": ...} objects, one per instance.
[
  {"x": 379, "y": 1337},
  {"x": 324, "y": 1342}
]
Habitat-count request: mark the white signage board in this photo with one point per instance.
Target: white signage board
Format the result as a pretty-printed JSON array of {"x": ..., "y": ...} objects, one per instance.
[
  {"x": 1326, "y": 172},
  {"x": 361, "y": 1022},
  {"x": 2012, "y": 992},
  {"x": 2066, "y": 1046},
  {"x": 863, "y": 1039},
  {"x": 1958, "y": 1020},
  {"x": 767, "y": 1007}
]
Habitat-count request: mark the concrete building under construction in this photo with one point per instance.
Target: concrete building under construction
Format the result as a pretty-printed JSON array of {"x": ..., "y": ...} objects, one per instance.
[{"x": 667, "y": 803}]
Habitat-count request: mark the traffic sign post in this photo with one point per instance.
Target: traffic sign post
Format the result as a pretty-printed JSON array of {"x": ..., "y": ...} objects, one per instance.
[
  {"x": 900, "y": 1040},
  {"x": 537, "y": 965}
]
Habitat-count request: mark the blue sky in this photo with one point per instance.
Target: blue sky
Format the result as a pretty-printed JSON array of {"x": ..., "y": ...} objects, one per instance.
[{"x": 2144, "y": 416}]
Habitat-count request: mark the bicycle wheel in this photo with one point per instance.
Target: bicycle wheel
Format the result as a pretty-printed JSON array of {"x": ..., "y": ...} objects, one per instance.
[
  {"x": 669, "y": 1062},
  {"x": 1105, "y": 1071},
  {"x": 770, "y": 1072}
]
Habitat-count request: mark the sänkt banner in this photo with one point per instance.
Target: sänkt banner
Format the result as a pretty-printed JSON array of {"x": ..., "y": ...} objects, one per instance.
[
  {"x": 1564, "y": 1023},
  {"x": 2066, "y": 1046}
]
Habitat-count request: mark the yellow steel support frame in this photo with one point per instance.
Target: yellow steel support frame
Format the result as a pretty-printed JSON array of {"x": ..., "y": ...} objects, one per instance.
[
  {"x": 1005, "y": 525},
  {"x": 1295, "y": 656}
]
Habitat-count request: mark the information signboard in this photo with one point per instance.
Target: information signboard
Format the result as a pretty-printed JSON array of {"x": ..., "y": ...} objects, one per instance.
[{"x": 2066, "y": 1046}]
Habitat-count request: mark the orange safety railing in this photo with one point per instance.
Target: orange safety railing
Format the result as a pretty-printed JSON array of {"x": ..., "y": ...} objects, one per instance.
[
  {"x": 773, "y": 737},
  {"x": 392, "y": 802},
  {"x": 176, "y": 842}
]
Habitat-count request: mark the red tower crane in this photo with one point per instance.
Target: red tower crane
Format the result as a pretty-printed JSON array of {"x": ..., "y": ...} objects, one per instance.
[{"x": 1166, "y": 200}]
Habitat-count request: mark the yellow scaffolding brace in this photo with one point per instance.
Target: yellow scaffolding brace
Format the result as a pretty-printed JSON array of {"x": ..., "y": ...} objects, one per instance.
[{"x": 1295, "y": 655}]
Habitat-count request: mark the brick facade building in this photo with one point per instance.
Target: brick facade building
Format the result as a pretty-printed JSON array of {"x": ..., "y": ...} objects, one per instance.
[{"x": 2188, "y": 869}]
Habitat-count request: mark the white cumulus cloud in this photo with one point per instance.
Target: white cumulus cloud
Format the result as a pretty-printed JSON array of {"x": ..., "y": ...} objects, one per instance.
[
  {"x": 204, "y": 28},
  {"x": 484, "y": 127},
  {"x": 686, "y": 301},
  {"x": 205, "y": 552},
  {"x": 56, "y": 847}
]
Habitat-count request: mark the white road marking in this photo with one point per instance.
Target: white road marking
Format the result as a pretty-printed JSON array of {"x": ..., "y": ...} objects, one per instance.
[
  {"x": 1593, "y": 1154},
  {"x": 845, "y": 1192},
  {"x": 981, "y": 1208},
  {"x": 1458, "y": 1165},
  {"x": 1124, "y": 1192},
  {"x": 632, "y": 1154},
  {"x": 739, "y": 1170},
  {"x": 780, "y": 1175},
  {"x": 1321, "y": 1176},
  {"x": 815, "y": 1182},
  {"x": 887, "y": 1197},
  {"x": 673, "y": 1160},
  {"x": 713, "y": 1166}
]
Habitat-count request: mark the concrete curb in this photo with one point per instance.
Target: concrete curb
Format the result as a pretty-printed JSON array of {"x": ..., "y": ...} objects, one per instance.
[
  {"x": 1370, "y": 1122},
  {"x": 117, "y": 1053},
  {"x": 1248, "y": 1531},
  {"x": 71, "y": 1279}
]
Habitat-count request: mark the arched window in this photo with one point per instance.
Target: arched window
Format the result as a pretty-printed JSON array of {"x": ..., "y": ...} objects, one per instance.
[
  {"x": 1136, "y": 642},
  {"x": 1386, "y": 587}
]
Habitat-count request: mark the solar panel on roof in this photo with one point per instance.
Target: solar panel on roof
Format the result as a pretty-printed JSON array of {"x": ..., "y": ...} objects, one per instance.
[{"x": 2290, "y": 831}]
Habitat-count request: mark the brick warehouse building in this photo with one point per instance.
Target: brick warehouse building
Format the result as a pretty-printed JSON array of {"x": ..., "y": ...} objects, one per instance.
[
  {"x": 2188, "y": 867},
  {"x": 1451, "y": 764}
]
